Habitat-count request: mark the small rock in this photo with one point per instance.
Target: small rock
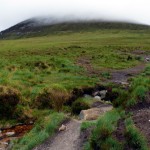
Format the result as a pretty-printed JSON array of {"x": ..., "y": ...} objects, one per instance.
[
  {"x": 147, "y": 59},
  {"x": 10, "y": 133},
  {"x": 1, "y": 133},
  {"x": 97, "y": 98},
  {"x": 87, "y": 96},
  {"x": 62, "y": 128},
  {"x": 31, "y": 122},
  {"x": 125, "y": 83}
]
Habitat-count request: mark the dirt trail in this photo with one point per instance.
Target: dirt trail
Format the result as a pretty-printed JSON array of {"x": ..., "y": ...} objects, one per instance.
[
  {"x": 124, "y": 74},
  {"x": 117, "y": 76},
  {"x": 64, "y": 140}
]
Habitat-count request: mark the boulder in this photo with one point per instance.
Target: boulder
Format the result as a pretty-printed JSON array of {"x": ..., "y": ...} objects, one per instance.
[
  {"x": 94, "y": 113},
  {"x": 101, "y": 94}
]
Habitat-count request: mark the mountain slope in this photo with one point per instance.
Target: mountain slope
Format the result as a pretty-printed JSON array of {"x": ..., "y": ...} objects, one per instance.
[{"x": 34, "y": 27}]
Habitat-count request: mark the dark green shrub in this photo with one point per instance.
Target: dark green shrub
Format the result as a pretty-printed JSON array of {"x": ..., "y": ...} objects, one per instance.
[
  {"x": 9, "y": 99},
  {"x": 77, "y": 106}
]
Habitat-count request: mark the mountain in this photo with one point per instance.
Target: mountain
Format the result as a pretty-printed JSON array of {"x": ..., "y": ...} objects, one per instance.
[{"x": 41, "y": 27}]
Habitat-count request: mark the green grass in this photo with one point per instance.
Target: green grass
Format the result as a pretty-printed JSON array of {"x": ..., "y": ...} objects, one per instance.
[
  {"x": 43, "y": 129},
  {"x": 59, "y": 54},
  {"x": 140, "y": 86},
  {"x": 87, "y": 124}
]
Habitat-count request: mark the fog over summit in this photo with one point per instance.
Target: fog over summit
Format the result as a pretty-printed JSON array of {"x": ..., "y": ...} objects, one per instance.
[{"x": 15, "y": 11}]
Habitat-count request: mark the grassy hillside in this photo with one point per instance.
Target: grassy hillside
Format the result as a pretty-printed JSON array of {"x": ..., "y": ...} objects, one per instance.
[
  {"x": 57, "y": 63},
  {"x": 31, "y": 28},
  {"x": 35, "y": 63}
]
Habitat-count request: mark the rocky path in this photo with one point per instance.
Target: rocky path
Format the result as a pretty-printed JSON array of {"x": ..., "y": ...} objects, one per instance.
[{"x": 64, "y": 140}]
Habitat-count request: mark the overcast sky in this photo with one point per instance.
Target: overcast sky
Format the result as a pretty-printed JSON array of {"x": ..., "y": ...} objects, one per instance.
[{"x": 14, "y": 11}]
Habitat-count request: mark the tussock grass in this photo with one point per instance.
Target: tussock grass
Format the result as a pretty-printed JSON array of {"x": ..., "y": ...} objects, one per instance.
[
  {"x": 101, "y": 137},
  {"x": 59, "y": 96},
  {"x": 52, "y": 97},
  {"x": 135, "y": 140},
  {"x": 9, "y": 99},
  {"x": 137, "y": 92}
]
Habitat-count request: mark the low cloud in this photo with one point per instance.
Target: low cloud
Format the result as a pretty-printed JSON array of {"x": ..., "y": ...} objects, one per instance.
[{"x": 14, "y": 11}]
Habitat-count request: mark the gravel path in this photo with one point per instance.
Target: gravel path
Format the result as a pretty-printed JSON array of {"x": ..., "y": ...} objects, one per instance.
[{"x": 64, "y": 140}]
